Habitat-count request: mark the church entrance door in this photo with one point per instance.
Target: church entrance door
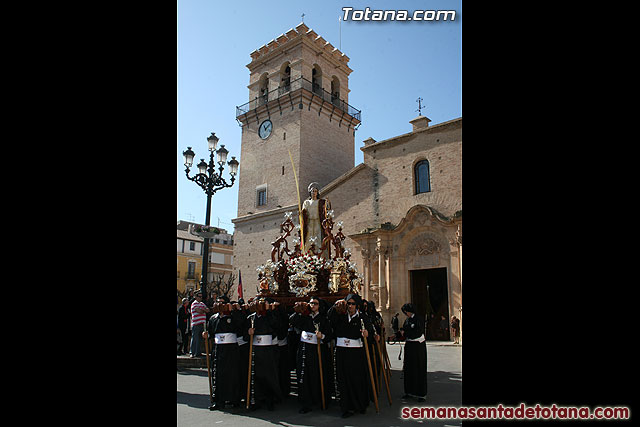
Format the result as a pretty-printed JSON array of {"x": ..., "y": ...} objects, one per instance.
[{"x": 430, "y": 295}]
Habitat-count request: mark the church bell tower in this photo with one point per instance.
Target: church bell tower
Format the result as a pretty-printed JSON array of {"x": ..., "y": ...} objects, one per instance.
[
  {"x": 298, "y": 104},
  {"x": 298, "y": 112}
]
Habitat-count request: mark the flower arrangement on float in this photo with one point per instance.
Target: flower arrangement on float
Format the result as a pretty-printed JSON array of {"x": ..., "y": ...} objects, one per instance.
[{"x": 300, "y": 273}]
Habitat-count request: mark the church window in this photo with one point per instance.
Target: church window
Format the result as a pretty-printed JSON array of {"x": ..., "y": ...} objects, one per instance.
[
  {"x": 335, "y": 91},
  {"x": 285, "y": 78},
  {"x": 263, "y": 89},
  {"x": 262, "y": 197},
  {"x": 316, "y": 79},
  {"x": 421, "y": 172}
]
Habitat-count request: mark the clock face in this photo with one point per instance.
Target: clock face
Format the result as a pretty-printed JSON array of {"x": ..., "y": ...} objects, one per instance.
[{"x": 265, "y": 129}]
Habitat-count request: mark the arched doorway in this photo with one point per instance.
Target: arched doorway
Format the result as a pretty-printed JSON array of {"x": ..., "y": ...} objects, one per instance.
[{"x": 430, "y": 295}]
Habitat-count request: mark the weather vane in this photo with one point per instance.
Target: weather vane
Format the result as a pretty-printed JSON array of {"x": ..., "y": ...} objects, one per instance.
[
  {"x": 419, "y": 101},
  {"x": 303, "y": 18}
]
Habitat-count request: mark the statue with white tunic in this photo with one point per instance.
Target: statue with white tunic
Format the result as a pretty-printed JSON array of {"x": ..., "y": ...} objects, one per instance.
[{"x": 314, "y": 211}]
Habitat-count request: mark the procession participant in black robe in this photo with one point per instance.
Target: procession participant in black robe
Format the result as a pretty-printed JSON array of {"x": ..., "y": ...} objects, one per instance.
[
  {"x": 415, "y": 355},
  {"x": 352, "y": 372},
  {"x": 243, "y": 353},
  {"x": 293, "y": 337},
  {"x": 282, "y": 349},
  {"x": 265, "y": 363},
  {"x": 223, "y": 327},
  {"x": 369, "y": 309},
  {"x": 327, "y": 362},
  {"x": 307, "y": 318}
]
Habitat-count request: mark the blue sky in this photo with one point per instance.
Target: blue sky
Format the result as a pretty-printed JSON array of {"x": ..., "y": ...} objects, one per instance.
[{"x": 393, "y": 64}]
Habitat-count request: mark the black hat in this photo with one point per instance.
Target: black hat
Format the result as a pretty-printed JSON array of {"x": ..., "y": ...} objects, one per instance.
[{"x": 224, "y": 298}]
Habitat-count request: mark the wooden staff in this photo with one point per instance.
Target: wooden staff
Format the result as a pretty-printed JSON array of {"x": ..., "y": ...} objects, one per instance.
[
  {"x": 324, "y": 406},
  {"x": 249, "y": 373},
  {"x": 386, "y": 355},
  {"x": 373, "y": 384},
  {"x": 206, "y": 345},
  {"x": 384, "y": 374},
  {"x": 375, "y": 370}
]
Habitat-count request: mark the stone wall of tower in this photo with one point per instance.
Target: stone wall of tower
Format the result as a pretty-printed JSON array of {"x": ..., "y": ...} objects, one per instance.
[
  {"x": 326, "y": 145},
  {"x": 267, "y": 162}
]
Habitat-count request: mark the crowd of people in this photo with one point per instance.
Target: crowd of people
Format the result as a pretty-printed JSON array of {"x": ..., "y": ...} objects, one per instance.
[{"x": 255, "y": 346}]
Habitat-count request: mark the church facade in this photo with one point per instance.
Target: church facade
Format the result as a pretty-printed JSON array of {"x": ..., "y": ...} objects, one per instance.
[{"x": 401, "y": 208}]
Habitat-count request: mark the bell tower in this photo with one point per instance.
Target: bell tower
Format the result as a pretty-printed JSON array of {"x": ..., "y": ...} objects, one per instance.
[
  {"x": 298, "y": 104},
  {"x": 297, "y": 111}
]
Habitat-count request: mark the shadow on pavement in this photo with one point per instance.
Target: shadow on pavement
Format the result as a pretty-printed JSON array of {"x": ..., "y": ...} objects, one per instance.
[
  {"x": 443, "y": 389},
  {"x": 200, "y": 401}
]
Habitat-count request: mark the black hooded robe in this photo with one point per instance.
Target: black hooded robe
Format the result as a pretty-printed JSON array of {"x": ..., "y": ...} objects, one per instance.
[
  {"x": 415, "y": 358},
  {"x": 352, "y": 371},
  {"x": 284, "y": 367},
  {"x": 224, "y": 358},
  {"x": 376, "y": 365},
  {"x": 307, "y": 367},
  {"x": 265, "y": 359}
]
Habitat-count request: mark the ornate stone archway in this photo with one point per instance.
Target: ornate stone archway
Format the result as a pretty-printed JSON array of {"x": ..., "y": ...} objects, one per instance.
[{"x": 423, "y": 239}]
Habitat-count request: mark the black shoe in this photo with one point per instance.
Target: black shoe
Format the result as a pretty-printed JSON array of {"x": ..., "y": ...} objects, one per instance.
[
  {"x": 216, "y": 407},
  {"x": 347, "y": 414},
  {"x": 304, "y": 410},
  {"x": 421, "y": 399}
]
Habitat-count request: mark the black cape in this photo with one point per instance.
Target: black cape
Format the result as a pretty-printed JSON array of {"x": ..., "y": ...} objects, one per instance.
[
  {"x": 352, "y": 372},
  {"x": 224, "y": 358},
  {"x": 266, "y": 385},
  {"x": 307, "y": 366},
  {"x": 415, "y": 358}
]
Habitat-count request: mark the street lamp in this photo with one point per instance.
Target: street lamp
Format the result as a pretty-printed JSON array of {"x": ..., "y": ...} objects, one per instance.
[{"x": 210, "y": 181}]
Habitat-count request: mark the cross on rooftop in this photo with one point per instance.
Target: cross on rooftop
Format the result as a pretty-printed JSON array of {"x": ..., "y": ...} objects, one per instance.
[{"x": 419, "y": 101}]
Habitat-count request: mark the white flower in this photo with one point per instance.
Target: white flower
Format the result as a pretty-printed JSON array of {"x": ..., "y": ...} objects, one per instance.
[
  {"x": 330, "y": 214},
  {"x": 288, "y": 215},
  {"x": 339, "y": 224}
]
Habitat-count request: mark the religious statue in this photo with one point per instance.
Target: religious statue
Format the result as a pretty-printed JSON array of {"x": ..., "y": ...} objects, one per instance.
[{"x": 314, "y": 211}]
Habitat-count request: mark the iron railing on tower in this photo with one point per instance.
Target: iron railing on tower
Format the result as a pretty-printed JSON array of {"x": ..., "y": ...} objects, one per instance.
[{"x": 287, "y": 89}]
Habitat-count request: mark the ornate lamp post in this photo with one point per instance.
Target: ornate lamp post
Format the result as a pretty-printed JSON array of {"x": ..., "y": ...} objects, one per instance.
[{"x": 210, "y": 181}]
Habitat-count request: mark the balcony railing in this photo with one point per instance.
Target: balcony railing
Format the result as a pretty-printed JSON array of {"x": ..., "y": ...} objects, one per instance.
[{"x": 293, "y": 86}]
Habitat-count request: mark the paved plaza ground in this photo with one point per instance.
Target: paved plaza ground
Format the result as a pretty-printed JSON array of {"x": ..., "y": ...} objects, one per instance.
[{"x": 444, "y": 388}]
